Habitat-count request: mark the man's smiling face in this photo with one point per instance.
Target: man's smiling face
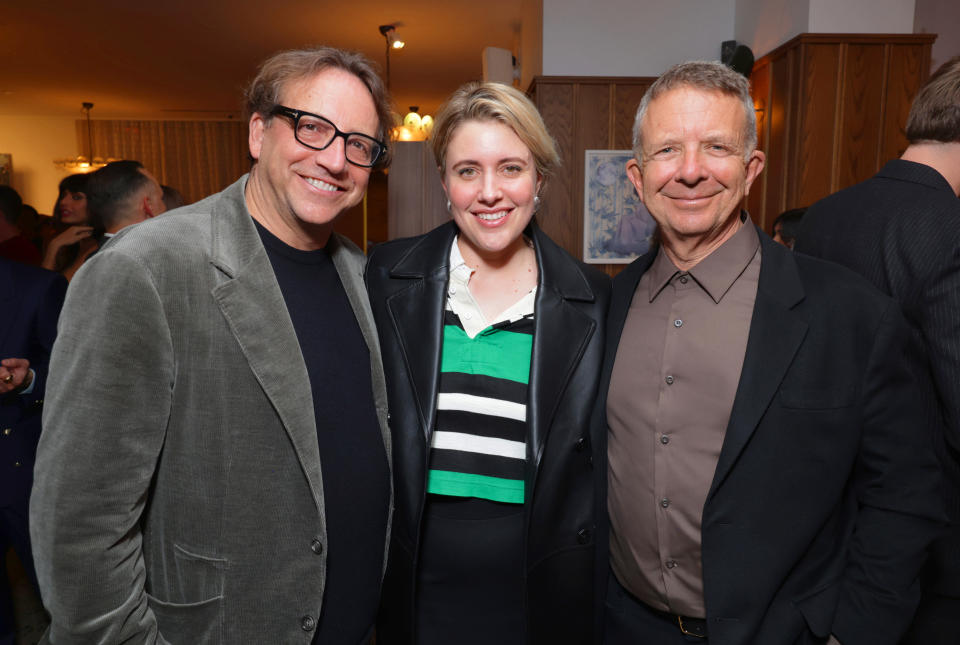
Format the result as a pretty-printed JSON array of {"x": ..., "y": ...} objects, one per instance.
[
  {"x": 694, "y": 172},
  {"x": 296, "y": 192}
]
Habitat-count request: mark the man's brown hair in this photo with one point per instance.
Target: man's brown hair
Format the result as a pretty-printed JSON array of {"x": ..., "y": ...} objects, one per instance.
[{"x": 935, "y": 114}]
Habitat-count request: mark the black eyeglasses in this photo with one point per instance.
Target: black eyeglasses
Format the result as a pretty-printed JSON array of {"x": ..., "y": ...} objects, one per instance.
[{"x": 316, "y": 133}]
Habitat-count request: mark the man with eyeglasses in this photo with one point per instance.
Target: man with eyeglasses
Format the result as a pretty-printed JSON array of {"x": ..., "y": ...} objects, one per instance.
[{"x": 214, "y": 466}]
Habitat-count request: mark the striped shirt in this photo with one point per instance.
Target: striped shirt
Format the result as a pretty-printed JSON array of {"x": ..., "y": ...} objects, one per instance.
[{"x": 478, "y": 448}]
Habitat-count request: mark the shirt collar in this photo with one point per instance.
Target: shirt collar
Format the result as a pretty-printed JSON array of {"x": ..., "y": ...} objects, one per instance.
[{"x": 715, "y": 273}]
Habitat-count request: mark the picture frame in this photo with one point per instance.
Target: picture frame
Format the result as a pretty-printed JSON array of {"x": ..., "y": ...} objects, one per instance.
[{"x": 617, "y": 228}]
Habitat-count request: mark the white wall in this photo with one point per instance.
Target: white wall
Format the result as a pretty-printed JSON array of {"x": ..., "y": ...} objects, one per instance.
[
  {"x": 862, "y": 16},
  {"x": 764, "y": 25},
  {"x": 631, "y": 37},
  {"x": 941, "y": 17},
  {"x": 34, "y": 142}
]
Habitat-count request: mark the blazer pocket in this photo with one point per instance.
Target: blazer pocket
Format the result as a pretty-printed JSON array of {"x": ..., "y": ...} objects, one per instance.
[
  {"x": 198, "y": 578},
  {"x": 198, "y": 623},
  {"x": 819, "y": 607},
  {"x": 818, "y": 398}
]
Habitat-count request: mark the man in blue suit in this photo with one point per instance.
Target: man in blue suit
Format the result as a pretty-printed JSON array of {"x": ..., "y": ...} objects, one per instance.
[{"x": 30, "y": 299}]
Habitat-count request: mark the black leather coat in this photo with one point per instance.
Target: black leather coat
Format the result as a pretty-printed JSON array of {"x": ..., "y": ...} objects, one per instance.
[{"x": 565, "y": 471}]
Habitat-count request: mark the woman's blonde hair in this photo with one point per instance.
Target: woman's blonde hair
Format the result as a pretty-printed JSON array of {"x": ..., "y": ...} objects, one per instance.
[{"x": 478, "y": 101}]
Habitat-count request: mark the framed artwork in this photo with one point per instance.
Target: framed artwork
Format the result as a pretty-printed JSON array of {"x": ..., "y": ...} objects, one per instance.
[
  {"x": 6, "y": 168},
  {"x": 616, "y": 225}
]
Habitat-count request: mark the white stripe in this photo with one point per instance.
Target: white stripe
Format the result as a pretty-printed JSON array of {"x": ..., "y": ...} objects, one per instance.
[
  {"x": 483, "y": 445},
  {"x": 481, "y": 405}
]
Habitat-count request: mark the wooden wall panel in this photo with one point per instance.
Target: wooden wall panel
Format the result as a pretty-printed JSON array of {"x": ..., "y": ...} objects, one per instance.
[
  {"x": 818, "y": 120},
  {"x": 838, "y": 104},
  {"x": 761, "y": 101},
  {"x": 861, "y": 106},
  {"x": 626, "y": 100},
  {"x": 908, "y": 68},
  {"x": 557, "y": 106}
]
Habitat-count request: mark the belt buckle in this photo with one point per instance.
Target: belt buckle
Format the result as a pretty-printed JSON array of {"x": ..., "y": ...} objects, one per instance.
[{"x": 686, "y": 631}]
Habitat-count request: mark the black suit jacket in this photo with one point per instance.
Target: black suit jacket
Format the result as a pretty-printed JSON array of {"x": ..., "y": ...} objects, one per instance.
[
  {"x": 407, "y": 281},
  {"x": 30, "y": 302},
  {"x": 825, "y": 494},
  {"x": 901, "y": 230}
]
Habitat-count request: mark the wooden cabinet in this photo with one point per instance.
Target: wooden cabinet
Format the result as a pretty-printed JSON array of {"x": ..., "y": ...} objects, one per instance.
[{"x": 831, "y": 111}]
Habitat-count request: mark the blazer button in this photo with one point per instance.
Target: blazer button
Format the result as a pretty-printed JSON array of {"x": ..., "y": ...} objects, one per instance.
[
  {"x": 583, "y": 536},
  {"x": 17, "y": 464},
  {"x": 307, "y": 623},
  {"x": 7, "y": 432},
  {"x": 580, "y": 445},
  {"x": 316, "y": 546}
]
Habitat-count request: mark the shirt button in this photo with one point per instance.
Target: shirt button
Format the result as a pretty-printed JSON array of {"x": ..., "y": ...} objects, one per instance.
[
  {"x": 468, "y": 315},
  {"x": 664, "y": 502},
  {"x": 453, "y": 291},
  {"x": 678, "y": 323},
  {"x": 684, "y": 279},
  {"x": 307, "y": 623},
  {"x": 316, "y": 546},
  {"x": 669, "y": 380},
  {"x": 671, "y": 564},
  {"x": 664, "y": 439}
]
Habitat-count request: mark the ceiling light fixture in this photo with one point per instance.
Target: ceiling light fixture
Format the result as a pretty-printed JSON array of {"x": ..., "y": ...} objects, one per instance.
[
  {"x": 80, "y": 163},
  {"x": 414, "y": 127},
  {"x": 389, "y": 33}
]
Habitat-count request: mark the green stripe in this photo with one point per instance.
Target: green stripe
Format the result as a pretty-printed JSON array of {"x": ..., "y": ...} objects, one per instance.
[
  {"x": 444, "y": 482},
  {"x": 501, "y": 354}
]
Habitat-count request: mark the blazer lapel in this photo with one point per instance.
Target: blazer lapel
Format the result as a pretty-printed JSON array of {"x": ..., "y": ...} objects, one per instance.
[
  {"x": 253, "y": 306},
  {"x": 6, "y": 299},
  {"x": 416, "y": 314},
  {"x": 776, "y": 332},
  {"x": 561, "y": 334}
]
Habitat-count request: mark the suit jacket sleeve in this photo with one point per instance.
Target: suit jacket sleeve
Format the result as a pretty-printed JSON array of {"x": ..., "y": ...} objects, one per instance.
[
  {"x": 940, "y": 326},
  {"x": 897, "y": 486},
  {"x": 108, "y": 399}
]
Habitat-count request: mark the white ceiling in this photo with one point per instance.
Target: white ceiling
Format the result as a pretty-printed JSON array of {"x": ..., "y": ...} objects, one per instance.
[{"x": 173, "y": 59}]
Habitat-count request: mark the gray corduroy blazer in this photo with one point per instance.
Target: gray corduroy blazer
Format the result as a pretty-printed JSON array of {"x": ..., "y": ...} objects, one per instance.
[{"x": 178, "y": 495}]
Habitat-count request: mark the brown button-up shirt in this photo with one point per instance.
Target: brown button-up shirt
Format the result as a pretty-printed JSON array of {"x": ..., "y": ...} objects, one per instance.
[{"x": 671, "y": 392}]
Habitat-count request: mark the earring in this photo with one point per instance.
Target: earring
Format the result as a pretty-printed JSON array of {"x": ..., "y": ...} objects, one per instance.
[
  {"x": 536, "y": 203},
  {"x": 449, "y": 206}
]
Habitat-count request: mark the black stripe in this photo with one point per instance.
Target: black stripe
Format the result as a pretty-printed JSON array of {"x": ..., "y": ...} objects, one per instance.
[
  {"x": 476, "y": 464},
  {"x": 522, "y": 326},
  {"x": 482, "y": 425},
  {"x": 483, "y": 385}
]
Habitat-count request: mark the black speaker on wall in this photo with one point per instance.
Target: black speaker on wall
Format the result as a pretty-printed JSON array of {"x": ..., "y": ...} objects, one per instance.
[{"x": 737, "y": 56}]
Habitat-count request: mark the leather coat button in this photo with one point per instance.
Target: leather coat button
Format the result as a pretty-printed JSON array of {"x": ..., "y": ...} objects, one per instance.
[
  {"x": 583, "y": 536},
  {"x": 580, "y": 445}
]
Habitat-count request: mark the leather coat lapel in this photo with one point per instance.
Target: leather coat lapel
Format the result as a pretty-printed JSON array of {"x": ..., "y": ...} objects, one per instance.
[
  {"x": 776, "y": 332},
  {"x": 253, "y": 305},
  {"x": 416, "y": 314},
  {"x": 561, "y": 335}
]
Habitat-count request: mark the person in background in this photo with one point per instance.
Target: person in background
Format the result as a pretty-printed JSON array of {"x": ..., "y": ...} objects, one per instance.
[
  {"x": 770, "y": 478},
  {"x": 787, "y": 225},
  {"x": 901, "y": 230},
  {"x": 14, "y": 245},
  {"x": 214, "y": 465},
  {"x": 492, "y": 338},
  {"x": 72, "y": 242},
  {"x": 172, "y": 198},
  {"x": 121, "y": 194},
  {"x": 30, "y": 299}
]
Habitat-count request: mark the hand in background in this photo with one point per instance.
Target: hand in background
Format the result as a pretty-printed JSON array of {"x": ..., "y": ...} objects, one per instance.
[{"x": 15, "y": 374}]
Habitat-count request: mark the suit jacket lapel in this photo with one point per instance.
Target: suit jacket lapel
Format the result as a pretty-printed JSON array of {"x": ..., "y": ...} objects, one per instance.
[
  {"x": 776, "y": 332},
  {"x": 561, "y": 335},
  {"x": 416, "y": 314},
  {"x": 6, "y": 301},
  {"x": 253, "y": 306}
]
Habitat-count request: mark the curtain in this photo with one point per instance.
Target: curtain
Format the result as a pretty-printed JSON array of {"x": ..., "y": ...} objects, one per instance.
[{"x": 198, "y": 158}]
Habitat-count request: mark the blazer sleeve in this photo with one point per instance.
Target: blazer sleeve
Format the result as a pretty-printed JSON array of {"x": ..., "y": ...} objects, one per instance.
[
  {"x": 897, "y": 484},
  {"x": 107, "y": 404},
  {"x": 45, "y": 331}
]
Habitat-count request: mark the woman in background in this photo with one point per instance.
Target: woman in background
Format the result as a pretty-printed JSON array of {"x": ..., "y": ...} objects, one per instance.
[
  {"x": 72, "y": 243},
  {"x": 492, "y": 340}
]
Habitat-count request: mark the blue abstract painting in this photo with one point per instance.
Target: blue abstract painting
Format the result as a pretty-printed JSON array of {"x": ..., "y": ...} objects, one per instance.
[{"x": 616, "y": 225}]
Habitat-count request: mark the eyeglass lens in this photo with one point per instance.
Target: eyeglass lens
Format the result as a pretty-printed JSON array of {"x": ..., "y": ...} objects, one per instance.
[{"x": 319, "y": 133}]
